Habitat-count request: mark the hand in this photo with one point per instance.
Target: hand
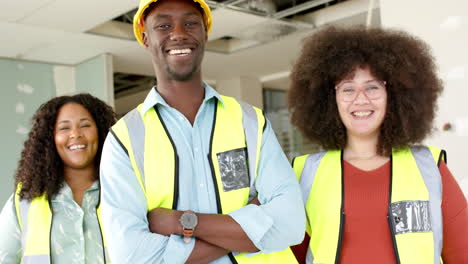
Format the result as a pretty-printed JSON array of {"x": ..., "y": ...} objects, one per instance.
[{"x": 164, "y": 221}]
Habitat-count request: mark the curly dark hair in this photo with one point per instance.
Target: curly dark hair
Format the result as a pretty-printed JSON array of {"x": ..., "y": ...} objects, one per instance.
[
  {"x": 333, "y": 54},
  {"x": 40, "y": 169}
]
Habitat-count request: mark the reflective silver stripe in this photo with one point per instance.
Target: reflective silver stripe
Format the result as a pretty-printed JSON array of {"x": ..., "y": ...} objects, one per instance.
[
  {"x": 307, "y": 179},
  {"x": 36, "y": 259},
  {"x": 250, "y": 123},
  {"x": 308, "y": 174},
  {"x": 24, "y": 206},
  {"x": 309, "y": 256},
  {"x": 136, "y": 133},
  {"x": 431, "y": 175}
]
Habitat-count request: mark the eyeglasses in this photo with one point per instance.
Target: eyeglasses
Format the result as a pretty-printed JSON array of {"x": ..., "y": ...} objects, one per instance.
[{"x": 349, "y": 91}]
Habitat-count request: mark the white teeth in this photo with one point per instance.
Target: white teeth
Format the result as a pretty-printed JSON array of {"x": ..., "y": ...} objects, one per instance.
[
  {"x": 360, "y": 114},
  {"x": 180, "y": 51},
  {"x": 77, "y": 147}
]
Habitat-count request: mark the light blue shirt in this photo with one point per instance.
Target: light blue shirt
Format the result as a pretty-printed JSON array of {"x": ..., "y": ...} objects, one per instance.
[
  {"x": 75, "y": 237},
  {"x": 276, "y": 224}
]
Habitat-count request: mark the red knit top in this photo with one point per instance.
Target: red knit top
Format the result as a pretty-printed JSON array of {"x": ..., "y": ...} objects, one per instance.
[{"x": 367, "y": 236}]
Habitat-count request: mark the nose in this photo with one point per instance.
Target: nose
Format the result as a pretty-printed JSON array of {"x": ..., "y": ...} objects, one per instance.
[
  {"x": 75, "y": 133},
  {"x": 361, "y": 97},
  {"x": 178, "y": 33}
]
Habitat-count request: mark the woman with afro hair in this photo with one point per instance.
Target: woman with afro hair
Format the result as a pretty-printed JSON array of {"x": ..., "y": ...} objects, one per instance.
[
  {"x": 375, "y": 194},
  {"x": 52, "y": 217}
]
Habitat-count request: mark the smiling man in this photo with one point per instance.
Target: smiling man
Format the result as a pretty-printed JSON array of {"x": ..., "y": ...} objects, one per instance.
[{"x": 191, "y": 176}]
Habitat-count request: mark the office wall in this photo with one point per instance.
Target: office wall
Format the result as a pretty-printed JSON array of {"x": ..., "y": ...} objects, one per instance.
[
  {"x": 95, "y": 76},
  {"x": 444, "y": 25},
  {"x": 25, "y": 86}
]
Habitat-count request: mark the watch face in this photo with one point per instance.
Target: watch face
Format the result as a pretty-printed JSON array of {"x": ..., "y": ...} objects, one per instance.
[{"x": 189, "y": 220}]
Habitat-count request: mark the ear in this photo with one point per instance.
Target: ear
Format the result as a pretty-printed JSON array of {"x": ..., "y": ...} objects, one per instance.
[{"x": 145, "y": 39}]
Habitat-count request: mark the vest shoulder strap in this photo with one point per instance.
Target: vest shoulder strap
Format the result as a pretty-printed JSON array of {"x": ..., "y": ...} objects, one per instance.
[
  {"x": 129, "y": 132},
  {"x": 307, "y": 165},
  {"x": 16, "y": 201}
]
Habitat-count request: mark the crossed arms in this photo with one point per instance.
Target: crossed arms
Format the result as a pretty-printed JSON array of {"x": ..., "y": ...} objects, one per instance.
[{"x": 272, "y": 226}]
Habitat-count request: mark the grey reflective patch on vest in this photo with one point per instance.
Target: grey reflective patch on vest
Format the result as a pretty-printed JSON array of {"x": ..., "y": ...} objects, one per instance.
[
  {"x": 411, "y": 217},
  {"x": 233, "y": 169}
]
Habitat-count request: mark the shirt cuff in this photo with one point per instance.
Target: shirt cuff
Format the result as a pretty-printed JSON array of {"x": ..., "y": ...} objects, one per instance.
[
  {"x": 177, "y": 251},
  {"x": 254, "y": 222}
]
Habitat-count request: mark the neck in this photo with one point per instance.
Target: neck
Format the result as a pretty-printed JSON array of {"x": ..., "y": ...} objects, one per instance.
[
  {"x": 185, "y": 96},
  {"x": 361, "y": 152},
  {"x": 79, "y": 181},
  {"x": 361, "y": 147}
]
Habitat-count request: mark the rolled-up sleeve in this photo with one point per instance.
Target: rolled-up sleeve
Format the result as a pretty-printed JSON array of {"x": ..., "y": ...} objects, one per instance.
[
  {"x": 124, "y": 210},
  {"x": 10, "y": 239},
  {"x": 279, "y": 221}
]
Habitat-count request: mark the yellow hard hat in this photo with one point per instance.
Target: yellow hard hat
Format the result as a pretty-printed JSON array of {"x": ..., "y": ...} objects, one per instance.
[{"x": 139, "y": 24}]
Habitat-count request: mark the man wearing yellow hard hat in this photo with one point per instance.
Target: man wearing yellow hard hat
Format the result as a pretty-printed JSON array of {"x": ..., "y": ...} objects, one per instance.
[{"x": 191, "y": 176}]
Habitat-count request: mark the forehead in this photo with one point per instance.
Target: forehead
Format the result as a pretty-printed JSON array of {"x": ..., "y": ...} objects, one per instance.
[
  {"x": 173, "y": 7},
  {"x": 359, "y": 73},
  {"x": 71, "y": 111}
]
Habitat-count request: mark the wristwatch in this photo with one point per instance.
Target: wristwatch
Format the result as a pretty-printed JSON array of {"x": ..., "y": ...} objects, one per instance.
[{"x": 189, "y": 221}]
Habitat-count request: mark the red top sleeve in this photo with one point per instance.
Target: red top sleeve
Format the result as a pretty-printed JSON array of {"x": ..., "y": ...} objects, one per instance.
[{"x": 455, "y": 219}]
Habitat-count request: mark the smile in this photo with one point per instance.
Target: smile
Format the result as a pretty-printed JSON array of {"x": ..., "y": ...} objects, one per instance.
[
  {"x": 75, "y": 147},
  {"x": 180, "y": 51},
  {"x": 362, "y": 113}
]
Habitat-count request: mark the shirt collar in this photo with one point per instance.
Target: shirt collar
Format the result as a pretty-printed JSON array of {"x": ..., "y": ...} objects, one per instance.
[
  {"x": 153, "y": 98},
  {"x": 67, "y": 192}
]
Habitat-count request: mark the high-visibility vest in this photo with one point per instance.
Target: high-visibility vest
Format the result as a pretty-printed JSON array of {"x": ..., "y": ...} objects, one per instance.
[
  {"x": 415, "y": 216},
  {"x": 234, "y": 153},
  {"x": 35, "y": 221}
]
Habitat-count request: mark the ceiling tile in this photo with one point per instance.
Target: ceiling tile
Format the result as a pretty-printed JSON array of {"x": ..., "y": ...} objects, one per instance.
[
  {"x": 13, "y": 10},
  {"x": 79, "y": 16}
]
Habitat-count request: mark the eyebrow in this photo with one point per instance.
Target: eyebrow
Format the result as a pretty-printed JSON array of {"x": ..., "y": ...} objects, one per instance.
[
  {"x": 351, "y": 81},
  {"x": 68, "y": 121}
]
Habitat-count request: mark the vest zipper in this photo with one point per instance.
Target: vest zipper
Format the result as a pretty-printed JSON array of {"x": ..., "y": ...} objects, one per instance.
[
  {"x": 213, "y": 175},
  {"x": 340, "y": 238},
  {"x": 50, "y": 231},
  {"x": 342, "y": 215},
  {"x": 389, "y": 216},
  {"x": 175, "y": 198},
  {"x": 100, "y": 224}
]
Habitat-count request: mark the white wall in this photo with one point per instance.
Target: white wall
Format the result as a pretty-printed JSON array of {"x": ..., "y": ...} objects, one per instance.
[
  {"x": 25, "y": 86},
  {"x": 444, "y": 25}
]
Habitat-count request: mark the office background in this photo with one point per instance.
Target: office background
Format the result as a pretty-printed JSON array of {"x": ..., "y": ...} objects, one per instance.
[{"x": 56, "y": 47}]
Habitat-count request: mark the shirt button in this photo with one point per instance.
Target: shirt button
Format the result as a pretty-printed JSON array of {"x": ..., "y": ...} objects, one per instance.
[
  {"x": 202, "y": 185},
  {"x": 196, "y": 149}
]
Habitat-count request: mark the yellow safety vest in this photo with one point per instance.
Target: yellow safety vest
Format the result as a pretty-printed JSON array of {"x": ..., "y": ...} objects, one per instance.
[
  {"x": 236, "y": 135},
  {"x": 415, "y": 216},
  {"x": 35, "y": 221}
]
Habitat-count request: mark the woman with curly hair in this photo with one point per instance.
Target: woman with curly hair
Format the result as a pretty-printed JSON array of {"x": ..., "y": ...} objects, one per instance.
[
  {"x": 375, "y": 195},
  {"x": 52, "y": 216}
]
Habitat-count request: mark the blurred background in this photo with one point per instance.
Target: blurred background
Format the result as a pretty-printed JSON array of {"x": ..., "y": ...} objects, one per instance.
[{"x": 56, "y": 47}]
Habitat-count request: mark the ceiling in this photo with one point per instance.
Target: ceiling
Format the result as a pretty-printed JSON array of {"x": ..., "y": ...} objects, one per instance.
[{"x": 55, "y": 31}]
